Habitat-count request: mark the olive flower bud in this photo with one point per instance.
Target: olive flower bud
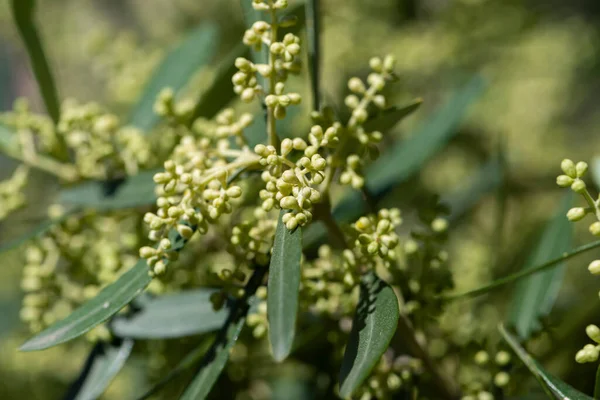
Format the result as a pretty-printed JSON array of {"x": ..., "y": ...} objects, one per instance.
[
  {"x": 576, "y": 213},
  {"x": 568, "y": 167}
]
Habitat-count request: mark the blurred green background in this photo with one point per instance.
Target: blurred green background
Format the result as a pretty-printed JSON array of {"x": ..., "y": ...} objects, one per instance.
[{"x": 540, "y": 60}]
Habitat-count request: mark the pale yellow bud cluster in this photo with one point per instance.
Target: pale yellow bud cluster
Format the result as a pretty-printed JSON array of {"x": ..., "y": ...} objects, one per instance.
[
  {"x": 289, "y": 185},
  {"x": 72, "y": 263},
  {"x": 359, "y": 101},
  {"x": 487, "y": 370},
  {"x": 590, "y": 352},
  {"x": 268, "y": 5},
  {"x": 252, "y": 239},
  {"x": 166, "y": 107},
  {"x": 100, "y": 145},
  {"x": 376, "y": 236},
  {"x": 573, "y": 174},
  {"x": 11, "y": 192},
  {"x": 329, "y": 285},
  {"x": 257, "y": 320},
  {"x": 389, "y": 376}
]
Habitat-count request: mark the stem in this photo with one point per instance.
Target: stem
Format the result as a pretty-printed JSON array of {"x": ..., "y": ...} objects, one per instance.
[
  {"x": 406, "y": 334},
  {"x": 322, "y": 212},
  {"x": 592, "y": 203},
  {"x": 522, "y": 274},
  {"x": 271, "y": 122}
]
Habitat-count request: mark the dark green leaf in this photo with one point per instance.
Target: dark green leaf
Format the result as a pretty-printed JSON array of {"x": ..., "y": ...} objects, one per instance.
[
  {"x": 597, "y": 384},
  {"x": 283, "y": 288},
  {"x": 188, "y": 361},
  {"x": 95, "y": 311},
  {"x": 391, "y": 117},
  {"x": 373, "y": 327},
  {"x": 23, "y": 13},
  {"x": 407, "y": 158},
  {"x": 137, "y": 190},
  {"x": 215, "y": 360},
  {"x": 175, "y": 71},
  {"x": 595, "y": 170},
  {"x": 313, "y": 27},
  {"x": 559, "y": 389},
  {"x": 535, "y": 296},
  {"x": 171, "y": 316},
  {"x": 220, "y": 93},
  {"x": 103, "y": 364}
]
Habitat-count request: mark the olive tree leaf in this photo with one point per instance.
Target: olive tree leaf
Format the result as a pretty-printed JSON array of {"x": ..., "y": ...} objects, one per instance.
[
  {"x": 597, "y": 384},
  {"x": 313, "y": 27},
  {"x": 407, "y": 157},
  {"x": 196, "y": 51},
  {"x": 102, "y": 365},
  {"x": 171, "y": 316},
  {"x": 107, "y": 303},
  {"x": 215, "y": 359},
  {"x": 535, "y": 295},
  {"x": 95, "y": 311},
  {"x": 283, "y": 287},
  {"x": 392, "y": 116},
  {"x": 554, "y": 386},
  {"x": 23, "y": 13},
  {"x": 137, "y": 190},
  {"x": 373, "y": 327}
]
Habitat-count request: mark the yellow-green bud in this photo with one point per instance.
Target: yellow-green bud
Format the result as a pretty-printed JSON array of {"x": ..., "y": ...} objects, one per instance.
[
  {"x": 568, "y": 167},
  {"x": 593, "y": 333},
  {"x": 578, "y": 186},
  {"x": 581, "y": 168},
  {"x": 501, "y": 379},
  {"x": 481, "y": 357},
  {"x": 356, "y": 85},
  {"x": 147, "y": 252},
  {"x": 576, "y": 213},
  {"x": 439, "y": 225},
  {"x": 376, "y": 64},
  {"x": 595, "y": 228},
  {"x": 564, "y": 181},
  {"x": 502, "y": 358},
  {"x": 594, "y": 267},
  {"x": 185, "y": 231}
]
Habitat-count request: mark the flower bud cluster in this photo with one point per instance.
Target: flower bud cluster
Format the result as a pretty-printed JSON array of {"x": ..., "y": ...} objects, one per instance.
[
  {"x": 72, "y": 263},
  {"x": 257, "y": 317},
  {"x": 359, "y": 102},
  {"x": 329, "y": 285},
  {"x": 283, "y": 59},
  {"x": 173, "y": 111},
  {"x": 11, "y": 192},
  {"x": 252, "y": 239},
  {"x": 573, "y": 174},
  {"x": 193, "y": 191},
  {"x": 486, "y": 376},
  {"x": 100, "y": 145},
  {"x": 289, "y": 185},
  {"x": 376, "y": 238},
  {"x": 389, "y": 376},
  {"x": 590, "y": 352}
]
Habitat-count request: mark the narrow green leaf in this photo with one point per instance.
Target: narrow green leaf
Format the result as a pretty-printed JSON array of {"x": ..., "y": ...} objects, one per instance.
[
  {"x": 171, "y": 316},
  {"x": 559, "y": 389},
  {"x": 283, "y": 288},
  {"x": 23, "y": 13},
  {"x": 595, "y": 170},
  {"x": 221, "y": 91},
  {"x": 373, "y": 327},
  {"x": 407, "y": 158},
  {"x": 188, "y": 361},
  {"x": 392, "y": 116},
  {"x": 95, "y": 311},
  {"x": 535, "y": 296},
  {"x": 137, "y": 190},
  {"x": 215, "y": 360},
  {"x": 313, "y": 27},
  {"x": 196, "y": 51},
  {"x": 103, "y": 364}
]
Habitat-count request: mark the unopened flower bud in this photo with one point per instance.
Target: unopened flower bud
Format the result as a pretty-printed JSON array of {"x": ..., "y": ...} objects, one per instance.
[
  {"x": 564, "y": 181},
  {"x": 578, "y": 186},
  {"x": 581, "y": 168},
  {"x": 594, "y": 267},
  {"x": 568, "y": 167},
  {"x": 576, "y": 213},
  {"x": 595, "y": 228}
]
